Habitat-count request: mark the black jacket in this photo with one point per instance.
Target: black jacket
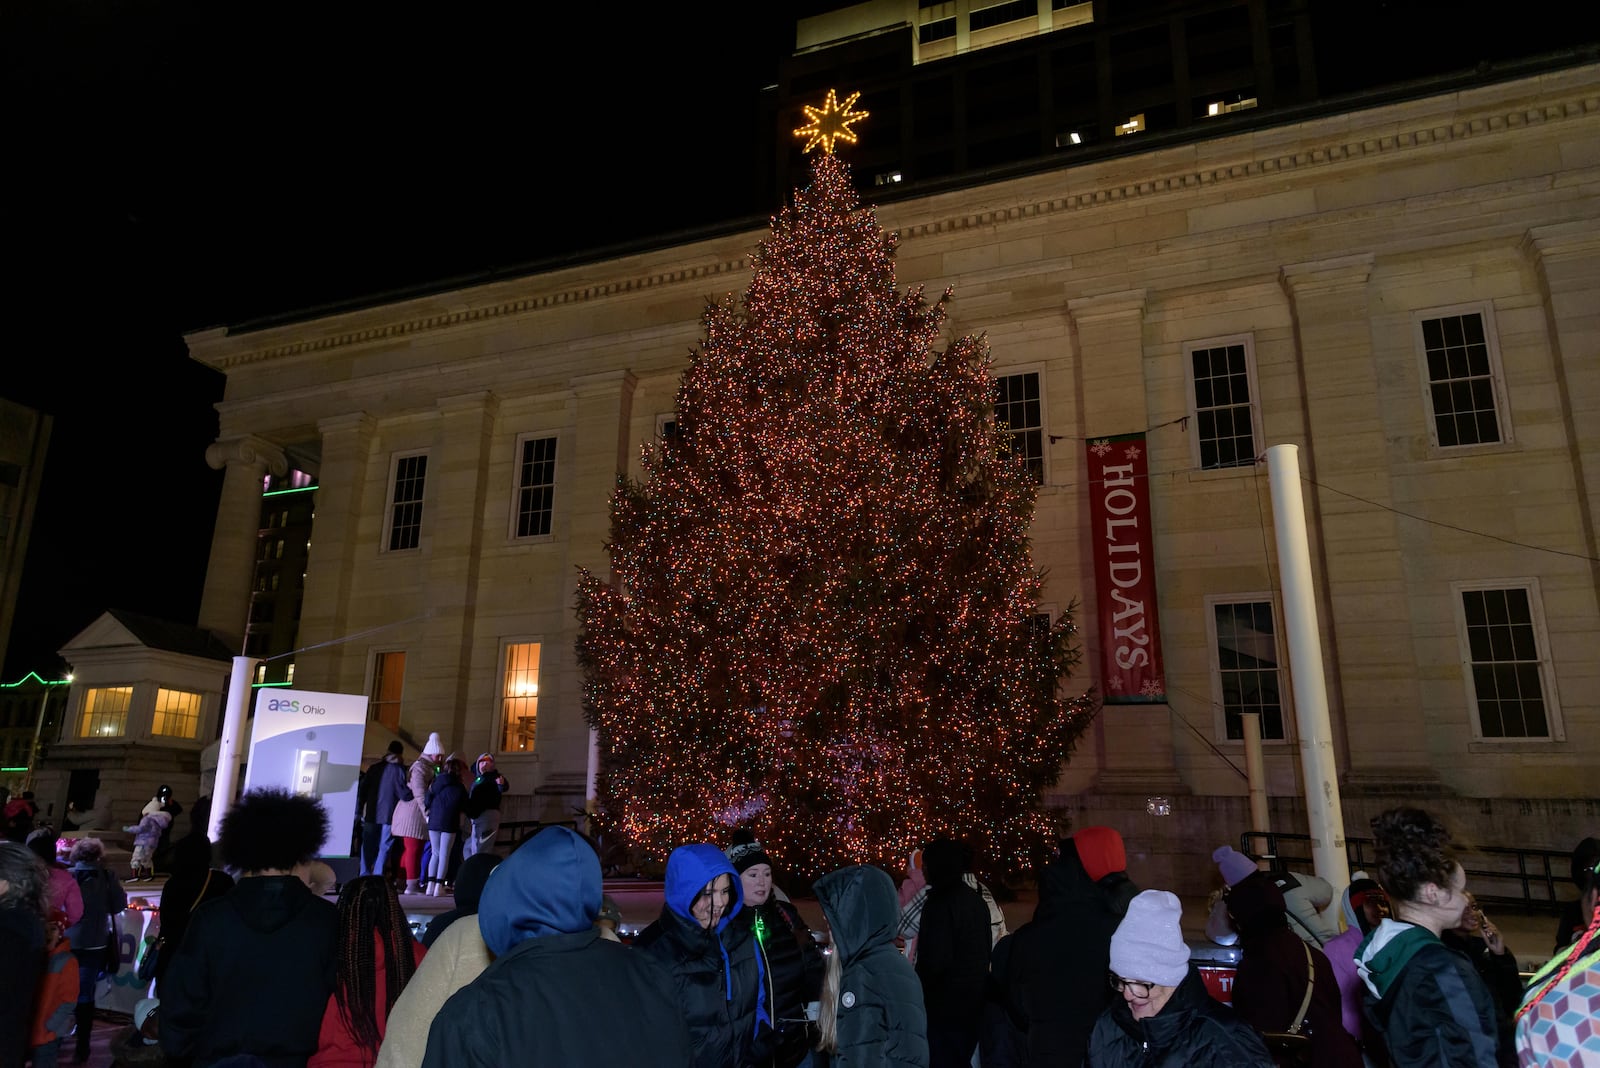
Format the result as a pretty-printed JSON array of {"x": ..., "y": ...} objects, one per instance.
[
  {"x": 193, "y": 882},
  {"x": 1270, "y": 985},
  {"x": 1193, "y": 1030},
  {"x": 1426, "y": 1000},
  {"x": 794, "y": 968},
  {"x": 881, "y": 1022},
  {"x": 953, "y": 954},
  {"x": 1499, "y": 973},
  {"x": 103, "y": 898},
  {"x": 22, "y": 950},
  {"x": 253, "y": 975},
  {"x": 1051, "y": 977},
  {"x": 546, "y": 1002},
  {"x": 389, "y": 787},
  {"x": 445, "y": 798}
]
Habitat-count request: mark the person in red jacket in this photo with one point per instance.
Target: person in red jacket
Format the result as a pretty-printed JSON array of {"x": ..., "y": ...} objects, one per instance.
[{"x": 376, "y": 958}]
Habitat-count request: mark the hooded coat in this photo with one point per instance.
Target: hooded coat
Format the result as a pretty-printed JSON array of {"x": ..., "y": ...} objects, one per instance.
[
  {"x": 557, "y": 993},
  {"x": 446, "y": 797},
  {"x": 1426, "y": 999},
  {"x": 881, "y": 1019},
  {"x": 470, "y": 881},
  {"x": 793, "y": 965},
  {"x": 718, "y": 975},
  {"x": 252, "y": 976},
  {"x": 953, "y": 948},
  {"x": 1192, "y": 1030},
  {"x": 1053, "y": 980},
  {"x": 388, "y": 778},
  {"x": 1270, "y": 984}
]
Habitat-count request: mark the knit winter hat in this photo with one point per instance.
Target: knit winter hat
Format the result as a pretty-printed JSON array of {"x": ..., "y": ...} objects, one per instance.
[
  {"x": 435, "y": 747},
  {"x": 747, "y": 855},
  {"x": 1101, "y": 851},
  {"x": 1148, "y": 943},
  {"x": 1233, "y": 864}
]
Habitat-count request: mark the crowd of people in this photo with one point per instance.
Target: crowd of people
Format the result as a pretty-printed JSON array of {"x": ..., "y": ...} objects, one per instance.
[{"x": 258, "y": 969}]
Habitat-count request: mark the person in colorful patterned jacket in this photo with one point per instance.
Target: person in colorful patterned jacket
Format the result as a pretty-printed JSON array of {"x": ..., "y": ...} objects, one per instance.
[{"x": 1556, "y": 1023}]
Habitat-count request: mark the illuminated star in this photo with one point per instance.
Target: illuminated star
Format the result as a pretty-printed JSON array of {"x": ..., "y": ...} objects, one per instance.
[{"x": 831, "y": 122}]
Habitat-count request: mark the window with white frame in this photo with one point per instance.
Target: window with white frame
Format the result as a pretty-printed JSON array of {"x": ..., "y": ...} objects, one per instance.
[
  {"x": 519, "y": 697},
  {"x": 105, "y": 712},
  {"x": 1020, "y": 406},
  {"x": 1506, "y": 660},
  {"x": 1222, "y": 378},
  {"x": 1245, "y": 676},
  {"x": 405, "y": 501},
  {"x": 177, "y": 713},
  {"x": 536, "y": 486},
  {"x": 1461, "y": 367}
]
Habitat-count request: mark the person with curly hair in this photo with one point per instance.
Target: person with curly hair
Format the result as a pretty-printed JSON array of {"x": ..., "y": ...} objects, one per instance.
[
  {"x": 256, "y": 966},
  {"x": 1426, "y": 999},
  {"x": 376, "y": 959},
  {"x": 22, "y": 938}
]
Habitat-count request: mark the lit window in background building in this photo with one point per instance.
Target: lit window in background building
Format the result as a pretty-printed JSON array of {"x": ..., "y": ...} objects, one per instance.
[
  {"x": 105, "y": 712},
  {"x": 521, "y": 697},
  {"x": 177, "y": 713}
]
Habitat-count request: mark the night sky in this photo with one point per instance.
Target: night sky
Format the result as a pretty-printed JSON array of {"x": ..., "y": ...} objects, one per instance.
[{"x": 177, "y": 166}]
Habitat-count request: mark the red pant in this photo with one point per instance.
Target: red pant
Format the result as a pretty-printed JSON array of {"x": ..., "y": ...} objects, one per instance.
[{"x": 411, "y": 859}]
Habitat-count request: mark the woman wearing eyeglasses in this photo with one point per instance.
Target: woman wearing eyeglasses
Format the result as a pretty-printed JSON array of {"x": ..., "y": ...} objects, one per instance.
[{"x": 1163, "y": 1017}]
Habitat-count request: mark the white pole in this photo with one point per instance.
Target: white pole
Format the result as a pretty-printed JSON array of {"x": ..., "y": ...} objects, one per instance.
[
  {"x": 591, "y": 778},
  {"x": 33, "y": 747},
  {"x": 1255, "y": 770},
  {"x": 1324, "y": 812},
  {"x": 239, "y": 693}
]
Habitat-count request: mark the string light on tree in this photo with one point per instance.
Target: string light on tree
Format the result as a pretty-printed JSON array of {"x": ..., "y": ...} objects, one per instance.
[
  {"x": 831, "y": 122},
  {"x": 822, "y": 614}
]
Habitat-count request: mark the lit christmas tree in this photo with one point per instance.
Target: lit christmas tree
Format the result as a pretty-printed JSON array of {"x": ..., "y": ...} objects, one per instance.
[{"x": 822, "y": 623}]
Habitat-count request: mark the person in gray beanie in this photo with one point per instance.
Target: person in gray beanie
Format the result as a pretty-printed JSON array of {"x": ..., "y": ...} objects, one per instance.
[{"x": 1162, "y": 1016}]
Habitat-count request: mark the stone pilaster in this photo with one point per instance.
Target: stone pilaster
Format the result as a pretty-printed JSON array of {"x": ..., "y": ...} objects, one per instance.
[
  {"x": 1366, "y": 621},
  {"x": 1567, "y": 257},
  {"x": 1133, "y": 744},
  {"x": 245, "y": 462},
  {"x": 325, "y": 611},
  {"x": 459, "y": 473}
]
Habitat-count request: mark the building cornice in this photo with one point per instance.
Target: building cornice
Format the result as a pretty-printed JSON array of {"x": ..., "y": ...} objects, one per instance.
[{"x": 1478, "y": 114}]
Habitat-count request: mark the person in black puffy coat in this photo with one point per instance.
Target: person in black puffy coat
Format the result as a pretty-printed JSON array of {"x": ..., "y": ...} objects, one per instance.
[
  {"x": 1271, "y": 984},
  {"x": 1051, "y": 975},
  {"x": 791, "y": 958},
  {"x": 872, "y": 1011},
  {"x": 446, "y": 797},
  {"x": 1163, "y": 1017},
  {"x": 718, "y": 975},
  {"x": 952, "y": 955}
]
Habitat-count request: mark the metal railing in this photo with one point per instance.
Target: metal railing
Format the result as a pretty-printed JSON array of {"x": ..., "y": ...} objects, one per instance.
[{"x": 1531, "y": 879}]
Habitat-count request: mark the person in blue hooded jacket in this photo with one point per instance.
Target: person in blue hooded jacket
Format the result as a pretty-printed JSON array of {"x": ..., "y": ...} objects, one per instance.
[
  {"x": 557, "y": 993},
  {"x": 716, "y": 971}
]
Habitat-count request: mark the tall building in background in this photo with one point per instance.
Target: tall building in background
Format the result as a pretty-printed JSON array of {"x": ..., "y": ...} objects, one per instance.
[
  {"x": 288, "y": 506},
  {"x": 24, "y": 436},
  {"x": 1399, "y": 278}
]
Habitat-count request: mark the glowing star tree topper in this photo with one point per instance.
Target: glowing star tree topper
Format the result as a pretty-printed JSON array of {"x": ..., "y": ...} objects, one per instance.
[
  {"x": 831, "y": 122},
  {"x": 822, "y": 619}
]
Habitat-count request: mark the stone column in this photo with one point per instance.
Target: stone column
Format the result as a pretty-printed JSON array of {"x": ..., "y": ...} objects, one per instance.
[
  {"x": 458, "y": 470},
  {"x": 341, "y": 482},
  {"x": 602, "y": 416},
  {"x": 225, "y": 602},
  {"x": 1133, "y": 743},
  {"x": 1567, "y": 256},
  {"x": 1368, "y": 644}
]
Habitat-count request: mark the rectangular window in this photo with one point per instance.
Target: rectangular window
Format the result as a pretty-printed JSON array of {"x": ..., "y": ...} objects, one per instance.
[
  {"x": 536, "y": 486},
  {"x": 1461, "y": 364},
  {"x": 1020, "y": 407},
  {"x": 1244, "y": 667},
  {"x": 177, "y": 713},
  {"x": 1506, "y": 660},
  {"x": 1223, "y": 374},
  {"x": 388, "y": 681},
  {"x": 405, "y": 501},
  {"x": 520, "y": 697},
  {"x": 105, "y": 712}
]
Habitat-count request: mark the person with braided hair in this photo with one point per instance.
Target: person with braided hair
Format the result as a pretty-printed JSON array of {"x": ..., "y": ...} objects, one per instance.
[
  {"x": 1555, "y": 1024},
  {"x": 1425, "y": 998},
  {"x": 376, "y": 959}
]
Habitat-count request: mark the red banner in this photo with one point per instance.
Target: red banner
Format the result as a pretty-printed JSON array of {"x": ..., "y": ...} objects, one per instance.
[{"x": 1124, "y": 571}]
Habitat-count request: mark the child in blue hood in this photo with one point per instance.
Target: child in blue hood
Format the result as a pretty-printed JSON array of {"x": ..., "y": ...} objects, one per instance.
[{"x": 716, "y": 971}]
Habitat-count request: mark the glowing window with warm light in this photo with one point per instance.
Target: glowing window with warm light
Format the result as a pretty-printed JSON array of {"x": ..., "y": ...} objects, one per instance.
[
  {"x": 177, "y": 714},
  {"x": 105, "y": 712},
  {"x": 520, "y": 697},
  {"x": 388, "y": 686}
]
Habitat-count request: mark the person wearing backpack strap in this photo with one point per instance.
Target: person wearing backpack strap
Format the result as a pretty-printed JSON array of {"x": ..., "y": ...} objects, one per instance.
[{"x": 103, "y": 898}]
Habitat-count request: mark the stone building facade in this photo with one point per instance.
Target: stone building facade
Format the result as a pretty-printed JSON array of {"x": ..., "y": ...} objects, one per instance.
[{"x": 1410, "y": 293}]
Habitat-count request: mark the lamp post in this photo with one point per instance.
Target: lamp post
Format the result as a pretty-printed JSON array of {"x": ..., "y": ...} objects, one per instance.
[{"x": 38, "y": 727}]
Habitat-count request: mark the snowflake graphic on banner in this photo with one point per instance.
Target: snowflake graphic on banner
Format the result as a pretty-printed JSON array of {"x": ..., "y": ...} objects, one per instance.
[
  {"x": 1132, "y": 452},
  {"x": 1100, "y": 448},
  {"x": 1115, "y": 683},
  {"x": 1153, "y": 688}
]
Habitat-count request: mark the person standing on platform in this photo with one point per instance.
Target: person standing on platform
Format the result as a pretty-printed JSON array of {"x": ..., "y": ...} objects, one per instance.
[
  {"x": 446, "y": 797},
  {"x": 410, "y": 818},
  {"x": 383, "y": 787},
  {"x": 483, "y": 805},
  {"x": 256, "y": 966}
]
